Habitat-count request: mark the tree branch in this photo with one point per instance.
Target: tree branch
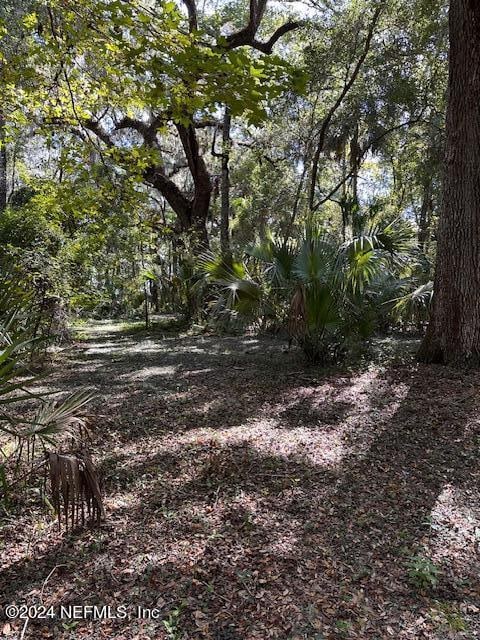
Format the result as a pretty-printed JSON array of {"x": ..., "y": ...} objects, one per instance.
[
  {"x": 366, "y": 148},
  {"x": 153, "y": 175},
  {"x": 203, "y": 124},
  {"x": 331, "y": 112},
  {"x": 96, "y": 128},
  {"x": 148, "y": 130},
  {"x": 246, "y": 36},
  {"x": 172, "y": 194},
  {"x": 267, "y": 47},
  {"x": 192, "y": 14},
  {"x": 213, "y": 151}
]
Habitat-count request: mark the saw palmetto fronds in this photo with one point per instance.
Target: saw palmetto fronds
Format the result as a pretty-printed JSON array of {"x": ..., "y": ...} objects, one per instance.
[
  {"x": 238, "y": 293},
  {"x": 74, "y": 483},
  {"x": 414, "y": 305},
  {"x": 60, "y": 417}
]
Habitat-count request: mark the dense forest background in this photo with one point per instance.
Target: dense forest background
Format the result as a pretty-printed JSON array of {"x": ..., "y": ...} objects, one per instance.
[
  {"x": 172, "y": 159},
  {"x": 239, "y": 319}
]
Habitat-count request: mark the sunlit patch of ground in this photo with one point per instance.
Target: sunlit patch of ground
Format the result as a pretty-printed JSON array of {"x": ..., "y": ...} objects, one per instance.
[
  {"x": 249, "y": 497},
  {"x": 454, "y": 530}
]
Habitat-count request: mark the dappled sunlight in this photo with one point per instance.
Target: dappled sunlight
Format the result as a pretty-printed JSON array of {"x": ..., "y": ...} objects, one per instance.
[
  {"x": 197, "y": 372},
  {"x": 227, "y": 468},
  {"x": 104, "y": 348},
  {"x": 321, "y": 423},
  {"x": 322, "y": 449},
  {"x": 103, "y": 327},
  {"x": 284, "y": 545},
  {"x": 146, "y": 346},
  {"x": 87, "y": 366},
  {"x": 121, "y": 501},
  {"x": 150, "y": 372},
  {"x": 454, "y": 526}
]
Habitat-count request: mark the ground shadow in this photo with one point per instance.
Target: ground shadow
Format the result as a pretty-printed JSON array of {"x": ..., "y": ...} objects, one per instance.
[{"x": 239, "y": 518}]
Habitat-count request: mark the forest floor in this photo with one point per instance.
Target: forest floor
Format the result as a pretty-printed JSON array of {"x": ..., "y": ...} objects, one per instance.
[{"x": 249, "y": 497}]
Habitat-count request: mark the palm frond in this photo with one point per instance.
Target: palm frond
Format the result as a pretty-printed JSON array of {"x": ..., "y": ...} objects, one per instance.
[
  {"x": 414, "y": 305},
  {"x": 57, "y": 417},
  {"x": 75, "y": 488},
  {"x": 315, "y": 260},
  {"x": 278, "y": 258}
]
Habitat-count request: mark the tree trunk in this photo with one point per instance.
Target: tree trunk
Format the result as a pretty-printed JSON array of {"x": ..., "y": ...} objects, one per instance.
[
  {"x": 225, "y": 187},
  {"x": 355, "y": 158},
  {"x": 200, "y": 203},
  {"x": 322, "y": 136},
  {"x": 453, "y": 335},
  {"x": 3, "y": 166},
  {"x": 425, "y": 216}
]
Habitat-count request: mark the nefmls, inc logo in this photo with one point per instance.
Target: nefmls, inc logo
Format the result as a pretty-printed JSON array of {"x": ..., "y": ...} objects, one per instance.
[{"x": 94, "y": 612}]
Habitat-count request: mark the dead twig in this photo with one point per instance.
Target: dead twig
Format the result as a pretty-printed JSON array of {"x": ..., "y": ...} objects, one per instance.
[{"x": 57, "y": 566}]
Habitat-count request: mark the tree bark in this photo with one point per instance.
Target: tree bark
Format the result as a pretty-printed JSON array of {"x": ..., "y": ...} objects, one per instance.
[
  {"x": 225, "y": 186},
  {"x": 191, "y": 210},
  {"x": 200, "y": 203},
  {"x": 453, "y": 335},
  {"x": 355, "y": 160},
  {"x": 425, "y": 216}
]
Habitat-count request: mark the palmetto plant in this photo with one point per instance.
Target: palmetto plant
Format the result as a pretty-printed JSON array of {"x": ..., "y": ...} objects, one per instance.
[
  {"x": 27, "y": 435},
  {"x": 414, "y": 303},
  {"x": 237, "y": 292},
  {"x": 406, "y": 293},
  {"x": 334, "y": 300},
  {"x": 328, "y": 287},
  {"x": 52, "y": 419}
]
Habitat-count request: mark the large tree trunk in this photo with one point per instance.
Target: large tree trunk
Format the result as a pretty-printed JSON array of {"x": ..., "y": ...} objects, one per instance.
[{"x": 453, "y": 335}]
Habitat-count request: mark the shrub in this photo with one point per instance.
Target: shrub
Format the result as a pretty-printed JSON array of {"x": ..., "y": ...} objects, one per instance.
[{"x": 327, "y": 289}]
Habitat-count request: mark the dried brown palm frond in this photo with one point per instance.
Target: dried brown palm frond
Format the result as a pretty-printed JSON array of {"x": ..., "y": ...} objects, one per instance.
[
  {"x": 297, "y": 323},
  {"x": 75, "y": 488}
]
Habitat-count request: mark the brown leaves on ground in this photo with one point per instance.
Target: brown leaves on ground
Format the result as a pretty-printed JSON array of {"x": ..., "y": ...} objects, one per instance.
[{"x": 250, "y": 498}]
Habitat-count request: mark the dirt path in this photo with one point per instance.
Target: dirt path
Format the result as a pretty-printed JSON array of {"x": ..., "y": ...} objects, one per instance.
[{"x": 250, "y": 498}]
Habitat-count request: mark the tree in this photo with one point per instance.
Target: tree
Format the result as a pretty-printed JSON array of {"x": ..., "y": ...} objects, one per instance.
[
  {"x": 225, "y": 209},
  {"x": 105, "y": 107},
  {"x": 124, "y": 74},
  {"x": 453, "y": 335},
  {"x": 348, "y": 84},
  {"x": 10, "y": 40},
  {"x": 3, "y": 166}
]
